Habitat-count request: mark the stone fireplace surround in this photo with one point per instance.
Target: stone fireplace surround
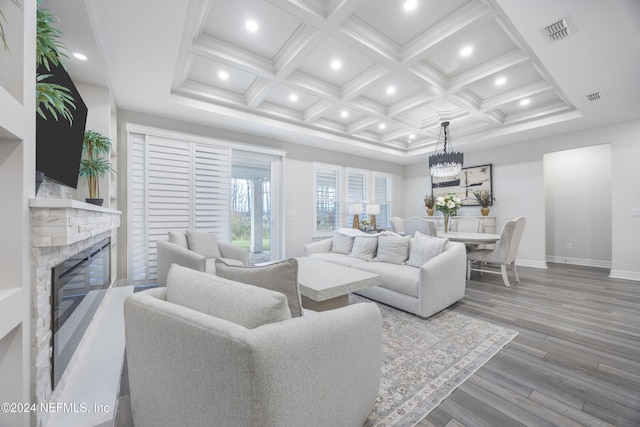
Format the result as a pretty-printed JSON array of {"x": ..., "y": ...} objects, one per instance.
[{"x": 60, "y": 228}]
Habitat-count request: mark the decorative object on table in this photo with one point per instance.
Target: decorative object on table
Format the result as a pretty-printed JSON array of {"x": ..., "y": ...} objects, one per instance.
[
  {"x": 485, "y": 198},
  {"x": 364, "y": 225},
  {"x": 94, "y": 166},
  {"x": 448, "y": 205},
  {"x": 356, "y": 209},
  {"x": 373, "y": 209},
  {"x": 448, "y": 163},
  {"x": 429, "y": 202},
  {"x": 475, "y": 178}
]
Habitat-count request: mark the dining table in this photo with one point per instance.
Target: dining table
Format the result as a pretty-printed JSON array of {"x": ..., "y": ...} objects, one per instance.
[{"x": 470, "y": 238}]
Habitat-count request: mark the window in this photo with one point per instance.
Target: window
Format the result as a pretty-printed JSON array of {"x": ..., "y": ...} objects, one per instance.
[
  {"x": 360, "y": 188},
  {"x": 327, "y": 198}
]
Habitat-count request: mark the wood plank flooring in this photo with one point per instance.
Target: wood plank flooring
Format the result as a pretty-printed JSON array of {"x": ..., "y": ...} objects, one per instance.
[{"x": 575, "y": 361}]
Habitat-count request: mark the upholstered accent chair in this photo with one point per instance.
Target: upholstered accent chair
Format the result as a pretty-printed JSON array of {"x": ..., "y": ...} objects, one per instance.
[
  {"x": 196, "y": 250},
  {"x": 504, "y": 254},
  {"x": 409, "y": 226},
  {"x": 207, "y": 351}
]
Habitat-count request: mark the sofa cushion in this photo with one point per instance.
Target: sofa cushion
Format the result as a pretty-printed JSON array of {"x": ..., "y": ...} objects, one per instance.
[
  {"x": 206, "y": 244},
  {"x": 392, "y": 248},
  {"x": 245, "y": 305},
  {"x": 336, "y": 258},
  {"x": 210, "y": 263},
  {"x": 424, "y": 247},
  {"x": 400, "y": 278},
  {"x": 364, "y": 247},
  {"x": 179, "y": 238},
  {"x": 341, "y": 243},
  {"x": 280, "y": 277}
]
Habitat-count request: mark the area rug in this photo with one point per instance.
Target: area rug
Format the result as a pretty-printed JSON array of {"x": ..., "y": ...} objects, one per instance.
[{"x": 425, "y": 360}]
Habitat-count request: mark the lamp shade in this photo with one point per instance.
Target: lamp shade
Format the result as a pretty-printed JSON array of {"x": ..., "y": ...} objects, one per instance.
[
  {"x": 356, "y": 208},
  {"x": 373, "y": 209}
]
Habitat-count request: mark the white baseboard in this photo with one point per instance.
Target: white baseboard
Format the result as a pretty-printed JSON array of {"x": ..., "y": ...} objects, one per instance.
[
  {"x": 580, "y": 261},
  {"x": 621, "y": 274},
  {"x": 530, "y": 263}
]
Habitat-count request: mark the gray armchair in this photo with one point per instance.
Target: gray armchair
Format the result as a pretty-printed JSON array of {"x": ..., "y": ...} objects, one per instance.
[
  {"x": 188, "y": 368},
  {"x": 179, "y": 253}
]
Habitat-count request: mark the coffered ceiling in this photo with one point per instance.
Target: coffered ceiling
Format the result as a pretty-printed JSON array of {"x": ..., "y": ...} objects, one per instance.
[{"x": 369, "y": 76}]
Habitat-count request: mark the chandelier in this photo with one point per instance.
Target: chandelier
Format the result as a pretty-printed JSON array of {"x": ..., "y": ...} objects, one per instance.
[{"x": 445, "y": 164}]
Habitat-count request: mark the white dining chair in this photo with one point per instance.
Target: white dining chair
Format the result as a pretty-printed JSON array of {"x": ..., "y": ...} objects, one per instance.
[{"x": 504, "y": 254}]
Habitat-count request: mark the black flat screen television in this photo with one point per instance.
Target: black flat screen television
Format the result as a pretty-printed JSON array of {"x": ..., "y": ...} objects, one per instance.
[{"x": 59, "y": 143}]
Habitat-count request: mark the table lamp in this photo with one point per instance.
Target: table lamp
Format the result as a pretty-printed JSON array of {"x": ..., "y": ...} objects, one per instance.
[
  {"x": 355, "y": 209},
  {"x": 373, "y": 209}
]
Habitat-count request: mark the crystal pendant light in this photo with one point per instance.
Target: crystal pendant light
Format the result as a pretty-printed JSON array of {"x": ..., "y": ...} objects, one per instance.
[{"x": 445, "y": 164}]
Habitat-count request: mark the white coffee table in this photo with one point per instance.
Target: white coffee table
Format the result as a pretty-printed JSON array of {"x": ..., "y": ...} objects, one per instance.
[{"x": 325, "y": 286}]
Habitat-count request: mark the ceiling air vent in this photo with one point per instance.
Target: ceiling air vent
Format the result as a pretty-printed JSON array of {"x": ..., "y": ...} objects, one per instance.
[
  {"x": 558, "y": 30},
  {"x": 596, "y": 96}
]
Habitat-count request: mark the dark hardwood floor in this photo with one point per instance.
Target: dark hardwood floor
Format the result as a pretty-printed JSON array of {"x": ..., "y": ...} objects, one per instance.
[{"x": 575, "y": 361}]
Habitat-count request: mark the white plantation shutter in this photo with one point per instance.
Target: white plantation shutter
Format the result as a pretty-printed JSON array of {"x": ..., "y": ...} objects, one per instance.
[
  {"x": 326, "y": 182},
  {"x": 357, "y": 190},
  {"x": 212, "y": 183},
  {"x": 383, "y": 195},
  {"x": 176, "y": 185}
]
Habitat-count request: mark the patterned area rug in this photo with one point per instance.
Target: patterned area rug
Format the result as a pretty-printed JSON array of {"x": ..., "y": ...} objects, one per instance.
[{"x": 424, "y": 361}]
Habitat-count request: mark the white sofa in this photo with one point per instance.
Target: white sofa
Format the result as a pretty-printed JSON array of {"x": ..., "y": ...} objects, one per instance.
[
  {"x": 206, "y": 351},
  {"x": 423, "y": 290}
]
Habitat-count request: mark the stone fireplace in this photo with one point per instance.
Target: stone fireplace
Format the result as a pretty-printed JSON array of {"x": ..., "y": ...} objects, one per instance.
[{"x": 60, "y": 230}]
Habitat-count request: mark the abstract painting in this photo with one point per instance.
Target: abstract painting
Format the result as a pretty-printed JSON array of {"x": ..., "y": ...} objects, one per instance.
[{"x": 463, "y": 185}]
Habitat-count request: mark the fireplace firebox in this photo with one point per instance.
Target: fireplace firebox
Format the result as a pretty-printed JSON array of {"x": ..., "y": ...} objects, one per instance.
[{"x": 78, "y": 286}]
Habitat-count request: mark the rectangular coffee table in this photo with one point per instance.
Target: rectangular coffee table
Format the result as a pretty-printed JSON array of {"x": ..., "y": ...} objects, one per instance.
[{"x": 325, "y": 286}]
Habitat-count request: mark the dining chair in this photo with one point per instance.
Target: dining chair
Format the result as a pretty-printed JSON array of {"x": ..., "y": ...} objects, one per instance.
[{"x": 504, "y": 254}]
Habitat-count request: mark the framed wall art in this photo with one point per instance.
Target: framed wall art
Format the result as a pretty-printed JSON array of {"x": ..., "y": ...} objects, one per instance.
[{"x": 468, "y": 181}]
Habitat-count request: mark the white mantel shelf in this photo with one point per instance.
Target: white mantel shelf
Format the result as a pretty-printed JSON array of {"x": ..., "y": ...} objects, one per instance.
[{"x": 62, "y": 222}]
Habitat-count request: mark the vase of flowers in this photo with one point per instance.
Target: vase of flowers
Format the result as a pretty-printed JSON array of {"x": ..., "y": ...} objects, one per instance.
[
  {"x": 448, "y": 205},
  {"x": 429, "y": 202},
  {"x": 485, "y": 199}
]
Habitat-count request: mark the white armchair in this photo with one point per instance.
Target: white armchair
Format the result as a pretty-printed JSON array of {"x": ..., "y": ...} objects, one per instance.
[
  {"x": 409, "y": 226},
  {"x": 190, "y": 368}
]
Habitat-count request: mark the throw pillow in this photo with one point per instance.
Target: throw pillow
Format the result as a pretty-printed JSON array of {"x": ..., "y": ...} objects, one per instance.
[
  {"x": 242, "y": 304},
  {"x": 280, "y": 277},
  {"x": 206, "y": 244},
  {"x": 179, "y": 238},
  {"x": 393, "y": 249},
  {"x": 341, "y": 243},
  {"x": 364, "y": 247},
  {"x": 424, "y": 248}
]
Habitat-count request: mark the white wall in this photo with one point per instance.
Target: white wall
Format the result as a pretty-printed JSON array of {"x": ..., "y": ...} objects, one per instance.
[
  {"x": 578, "y": 198},
  {"x": 298, "y": 176},
  {"x": 518, "y": 183}
]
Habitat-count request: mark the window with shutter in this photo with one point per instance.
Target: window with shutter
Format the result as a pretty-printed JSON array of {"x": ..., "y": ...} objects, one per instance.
[
  {"x": 383, "y": 195},
  {"x": 327, "y": 199}
]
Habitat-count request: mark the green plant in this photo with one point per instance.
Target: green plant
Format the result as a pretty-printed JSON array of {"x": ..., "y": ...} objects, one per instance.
[
  {"x": 484, "y": 198},
  {"x": 94, "y": 166},
  {"x": 448, "y": 204},
  {"x": 4, "y": 18},
  {"x": 51, "y": 97}
]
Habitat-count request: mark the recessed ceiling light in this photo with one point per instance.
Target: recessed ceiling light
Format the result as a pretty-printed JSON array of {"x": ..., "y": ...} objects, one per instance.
[
  {"x": 344, "y": 113},
  {"x": 223, "y": 75},
  {"x": 525, "y": 101},
  {"x": 382, "y": 126},
  {"x": 80, "y": 56},
  {"x": 412, "y": 136},
  {"x": 251, "y": 25},
  {"x": 391, "y": 90},
  {"x": 336, "y": 64},
  {"x": 409, "y": 5},
  {"x": 466, "y": 51},
  {"x": 500, "y": 81},
  {"x": 293, "y": 97}
]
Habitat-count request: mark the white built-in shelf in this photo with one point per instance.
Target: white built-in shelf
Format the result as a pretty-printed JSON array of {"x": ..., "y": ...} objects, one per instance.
[
  {"x": 10, "y": 116},
  {"x": 11, "y": 307}
]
